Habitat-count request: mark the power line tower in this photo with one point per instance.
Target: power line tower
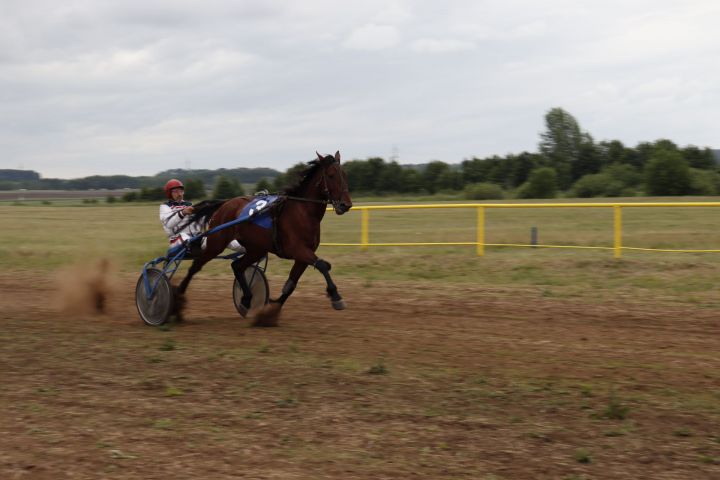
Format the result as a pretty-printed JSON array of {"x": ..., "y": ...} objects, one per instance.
[{"x": 395, "y": 155}]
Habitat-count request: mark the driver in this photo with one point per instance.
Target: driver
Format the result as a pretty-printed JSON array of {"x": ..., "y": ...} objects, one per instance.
[{"x": 174, "y": 211}]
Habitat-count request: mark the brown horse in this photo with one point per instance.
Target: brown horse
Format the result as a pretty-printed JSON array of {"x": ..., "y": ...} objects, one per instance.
[{"x": 295, "y": 232}]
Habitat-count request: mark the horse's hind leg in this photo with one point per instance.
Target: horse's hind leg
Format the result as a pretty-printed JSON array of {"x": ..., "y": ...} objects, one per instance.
[
  {"x": 179, "y": 304},
  {"x": 196, "y": 266},
  {"x": 239, "y": 267},
  {"x": 324, "y": 267}
]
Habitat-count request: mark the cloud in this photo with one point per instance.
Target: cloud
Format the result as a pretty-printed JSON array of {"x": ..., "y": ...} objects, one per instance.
[
  {"x": 528, "y": 30},
  {"x": 432, "y": 45},
  {"x": 394, "y": 13},
  {"x": 262, "y": 83},
  {"x": 373, "y": 37}
]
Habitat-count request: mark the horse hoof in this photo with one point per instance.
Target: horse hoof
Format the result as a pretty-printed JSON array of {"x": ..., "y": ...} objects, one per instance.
[
  {"x": 339, "y": 304},
  {"x": 242, "y": 310}
]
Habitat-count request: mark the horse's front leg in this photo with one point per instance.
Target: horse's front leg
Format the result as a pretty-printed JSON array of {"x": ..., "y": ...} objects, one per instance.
[
  {"x": 324, "y": 267},
  {"x": 268, "y": 315}
]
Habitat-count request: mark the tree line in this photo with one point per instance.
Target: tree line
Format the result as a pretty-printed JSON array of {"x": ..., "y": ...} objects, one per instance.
[
  {"x": 30, "y": 180},
  {"x": 568, "y": 162},
  {"x": 195, "y": 189}
]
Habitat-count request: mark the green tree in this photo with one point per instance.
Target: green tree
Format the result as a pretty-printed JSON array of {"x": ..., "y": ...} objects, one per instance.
[
  {"x": 130, "y": 197},
  {"x": 363, "y": 175},
  {"x": 611, "y": 152},
  {"x": 290, "y": 178},
  {"x": 430, "y": 176},
  {"x": 588, "y": 161},
  {"x": 623, "y": 173},
  {"x": 640, "y": 155},
  {"x": 194, "y": 189},
  {"x": 390, "y": 179},
  {"x": 665, "y": 144},
  {"x": 376, "y": 165},
  {"x": 561, "y": 143},
  {"x": 667, "y": 173},
  {"x": 698, "y": 158},
  {"x": 542, "y": 183},
  {"x": 450, "y": 180},
  {"x": 483, "y": 191},
  {"x": 410, "y": 181},
  {"x": 704, "y": 182},
  {"x": 598, "y": 185},
  {"x": 226, "y": 188},
  {"x": 263, "y": 184},
  {"x": 358, "y": 173},
  {"x": 152, "y": 194},
  {"x": 522, "y": 165},
  {"x": 592, "y": 185},
  {"x": 474, "y": 170}
]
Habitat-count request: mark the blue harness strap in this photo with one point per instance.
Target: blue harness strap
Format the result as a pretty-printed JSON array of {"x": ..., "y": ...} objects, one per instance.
[{"x": 257, "y": 212}]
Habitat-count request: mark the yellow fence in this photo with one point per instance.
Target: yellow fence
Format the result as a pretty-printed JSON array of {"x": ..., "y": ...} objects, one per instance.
[{"x": 480, "y": 244}]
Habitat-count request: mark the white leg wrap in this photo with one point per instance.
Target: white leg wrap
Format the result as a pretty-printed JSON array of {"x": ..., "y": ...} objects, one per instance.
[{"x": 235, "y": 245}]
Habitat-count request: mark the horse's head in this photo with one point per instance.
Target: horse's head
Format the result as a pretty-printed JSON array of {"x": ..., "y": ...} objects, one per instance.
[{"x": 334, "y": 183}]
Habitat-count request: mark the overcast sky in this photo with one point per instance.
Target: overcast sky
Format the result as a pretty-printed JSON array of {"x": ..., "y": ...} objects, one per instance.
[{"x": 138, "y": 86}]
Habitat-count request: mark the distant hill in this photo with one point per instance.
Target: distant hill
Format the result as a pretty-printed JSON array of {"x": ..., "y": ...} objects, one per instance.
[
  {"x": 18, "y": 175},
  {"x": 242, "y": 175},
  {"x": 31, "y": 180}
]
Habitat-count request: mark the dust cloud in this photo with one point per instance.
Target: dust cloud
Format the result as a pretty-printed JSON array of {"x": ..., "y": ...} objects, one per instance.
[
  {"x": 85, "y": 288},
  {"x": 268, "y": 316}
]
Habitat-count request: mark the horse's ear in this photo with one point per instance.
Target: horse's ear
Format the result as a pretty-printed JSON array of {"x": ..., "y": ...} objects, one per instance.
[
  {"x": 337, "y": 156},
  {"x": 320, "y": 157}
]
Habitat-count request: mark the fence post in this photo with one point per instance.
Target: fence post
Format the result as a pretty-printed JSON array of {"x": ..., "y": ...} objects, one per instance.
[
  {"x": 617, "y": 244},
  {"x": 480, "y": 231},
  {"x": 533, "y": 237},
  {"x": 365, "y": 229}
]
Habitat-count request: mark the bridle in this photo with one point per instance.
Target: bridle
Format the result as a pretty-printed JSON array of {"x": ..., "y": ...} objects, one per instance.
[
  {"x": 323, "y": 181},
  {"x": 326, "y": 191}
]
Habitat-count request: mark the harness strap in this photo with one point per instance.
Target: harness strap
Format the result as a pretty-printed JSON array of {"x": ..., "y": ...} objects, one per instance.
[
  {"x": 276, "y": 211},
  {"x": 303, "y": 199}
]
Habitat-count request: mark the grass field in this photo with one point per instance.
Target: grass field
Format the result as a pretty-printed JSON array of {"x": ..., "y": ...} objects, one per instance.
[
  {"x": 523, "y": 364},
  {"x": 44, "y": 237}
]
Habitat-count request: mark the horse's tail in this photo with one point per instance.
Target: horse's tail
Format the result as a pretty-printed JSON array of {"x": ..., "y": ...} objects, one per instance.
[{"x": 203, "y": 211}]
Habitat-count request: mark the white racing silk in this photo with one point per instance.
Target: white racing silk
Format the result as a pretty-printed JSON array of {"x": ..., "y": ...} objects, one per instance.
[{"x": 173, "y": 222}]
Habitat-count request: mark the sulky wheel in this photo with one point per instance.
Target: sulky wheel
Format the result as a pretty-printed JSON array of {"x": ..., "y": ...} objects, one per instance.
[
  {"x": 255, "y": 277},
  {"x": 154, "y": 310}
]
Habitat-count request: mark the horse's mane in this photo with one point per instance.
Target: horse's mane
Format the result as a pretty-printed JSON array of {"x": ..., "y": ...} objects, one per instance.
[
  {"x": 299, "y": 184},
  {"x": 203, "y": 211}
]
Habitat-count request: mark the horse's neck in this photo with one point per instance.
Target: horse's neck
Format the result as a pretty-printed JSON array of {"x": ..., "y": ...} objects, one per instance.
[{"x": 311, "y": 208}]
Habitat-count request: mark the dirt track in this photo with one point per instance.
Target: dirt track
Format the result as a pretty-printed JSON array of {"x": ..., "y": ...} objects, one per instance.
[{"x": 469, "y": 382}]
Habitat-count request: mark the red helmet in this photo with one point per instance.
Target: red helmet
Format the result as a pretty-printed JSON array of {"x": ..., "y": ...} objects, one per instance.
[{"x": 171, "y": 185}]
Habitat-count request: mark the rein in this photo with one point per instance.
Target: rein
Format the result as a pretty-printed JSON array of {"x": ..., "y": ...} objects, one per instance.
[
  {"x": 303, "y": 199},
  {"x": 322, "y": 185}
]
